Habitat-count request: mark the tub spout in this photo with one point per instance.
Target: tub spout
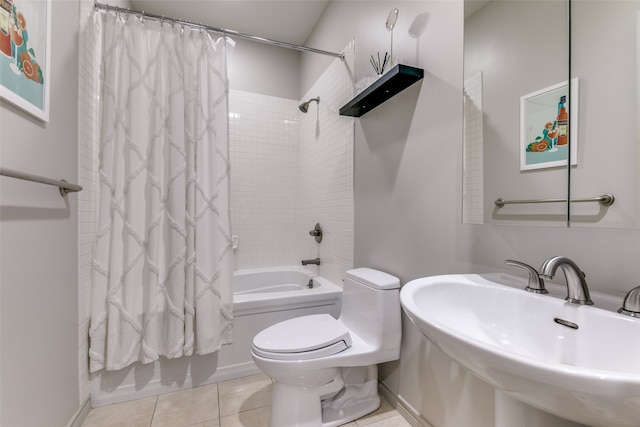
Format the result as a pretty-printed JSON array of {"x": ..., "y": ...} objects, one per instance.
[{"x": 315, "y": 261}]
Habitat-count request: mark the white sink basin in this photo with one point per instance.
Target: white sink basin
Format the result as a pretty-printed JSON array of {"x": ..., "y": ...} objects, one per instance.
[{"x": 509, "y": 338}]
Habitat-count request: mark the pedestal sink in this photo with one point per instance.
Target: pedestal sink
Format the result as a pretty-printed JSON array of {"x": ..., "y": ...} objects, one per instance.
[{"x": 580, "y": 363}]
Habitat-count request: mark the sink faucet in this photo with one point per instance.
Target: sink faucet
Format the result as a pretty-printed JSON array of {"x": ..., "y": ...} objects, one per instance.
[
  {"x": 315, "y": 261},
  {"x": 577, "y": 290}
]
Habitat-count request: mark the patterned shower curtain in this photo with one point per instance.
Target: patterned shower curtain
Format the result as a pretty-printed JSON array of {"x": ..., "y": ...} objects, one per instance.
[{"x": 162, "y": 266}]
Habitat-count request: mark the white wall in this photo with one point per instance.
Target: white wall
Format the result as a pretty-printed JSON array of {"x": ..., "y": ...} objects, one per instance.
[
  {"x": 38, "y": 276},
  {"x": 264, "y": 69},
  {"x": 408, "y": 158}
]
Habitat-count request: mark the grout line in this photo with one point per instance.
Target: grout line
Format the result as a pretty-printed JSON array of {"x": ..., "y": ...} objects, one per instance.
[
  {"x": 153, "y": 414},
  {"x": 218, "y": 394}
]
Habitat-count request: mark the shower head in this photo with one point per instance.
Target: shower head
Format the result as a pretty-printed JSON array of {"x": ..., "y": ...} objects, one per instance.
[{"x": 304, "y": 107}]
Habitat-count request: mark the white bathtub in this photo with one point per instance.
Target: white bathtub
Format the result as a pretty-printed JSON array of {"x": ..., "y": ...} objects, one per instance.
[
  {"x": 281, "y": 289},
  {"x": 262, "y": 297}
]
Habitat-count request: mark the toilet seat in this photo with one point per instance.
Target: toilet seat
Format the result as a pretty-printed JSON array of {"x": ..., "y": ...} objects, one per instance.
[{"x": 302, "y": 338}]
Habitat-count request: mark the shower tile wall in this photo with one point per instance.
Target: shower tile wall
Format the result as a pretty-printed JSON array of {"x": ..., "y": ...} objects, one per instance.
[
  {"x": 326, "y": 165},
  {"x": 263, "y": 139},
  {"x": 88, "y": 109},
  {"x": 291, "y": 170},
  {"x": 473, "y": 158}
]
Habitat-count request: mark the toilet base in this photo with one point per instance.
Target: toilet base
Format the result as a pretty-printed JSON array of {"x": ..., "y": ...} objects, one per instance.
[
  {"x": 298, "y": 407},
  {"x": 357, "y": 398},
  {"x": 346, "y": 395},
  {"x": 336, "y": 417}
]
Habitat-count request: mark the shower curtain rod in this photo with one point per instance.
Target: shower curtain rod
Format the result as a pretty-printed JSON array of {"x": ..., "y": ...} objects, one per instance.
[{"x": 224, "y": 31}]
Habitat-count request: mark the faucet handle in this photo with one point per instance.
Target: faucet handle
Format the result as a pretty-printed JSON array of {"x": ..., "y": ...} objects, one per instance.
[
  {"x": 536, "y": 284},
  {"x": 631, "y": 304},
  {"x": 317, "y": 233}
]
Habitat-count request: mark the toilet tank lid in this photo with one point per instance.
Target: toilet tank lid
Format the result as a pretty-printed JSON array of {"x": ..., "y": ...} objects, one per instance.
[{"x": 374, "y": 278}]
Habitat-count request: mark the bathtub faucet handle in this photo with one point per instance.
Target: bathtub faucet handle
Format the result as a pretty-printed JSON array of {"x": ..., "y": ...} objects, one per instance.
[{"x": 317, "y": 233}]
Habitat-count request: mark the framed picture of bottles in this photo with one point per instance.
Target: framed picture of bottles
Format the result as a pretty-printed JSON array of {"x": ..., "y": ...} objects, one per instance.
[
  {"x": 25, "y": 53},
  {"x": 545, "y": 136}
]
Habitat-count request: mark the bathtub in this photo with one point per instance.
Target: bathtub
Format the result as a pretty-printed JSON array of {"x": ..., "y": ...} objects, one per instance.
[
  {"x": 262, "y": 297},
  {"x": 282, "y": 289}
]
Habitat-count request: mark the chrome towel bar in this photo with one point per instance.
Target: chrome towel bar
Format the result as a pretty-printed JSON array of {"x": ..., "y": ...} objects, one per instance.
[
  {"x": 64, "y": 186},
  {"x": 604, "y": 200}
]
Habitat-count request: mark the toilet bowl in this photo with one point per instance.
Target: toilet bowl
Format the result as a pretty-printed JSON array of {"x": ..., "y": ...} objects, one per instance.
[{"x": 325, "y": 369}]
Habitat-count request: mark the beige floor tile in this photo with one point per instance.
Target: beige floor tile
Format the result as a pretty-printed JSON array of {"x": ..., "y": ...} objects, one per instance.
[
  {"x": 210, "y": 423},
  {"x": 244, "y": 402},
  {"x": 394, "y": 421},
  {"x": 186, "y": 407},
  {"x": 258, "y": 417},
  {"x": 244, "y": 394},
  {"x": 135, "y": 413},
  {"x": 384, "y": 411}
]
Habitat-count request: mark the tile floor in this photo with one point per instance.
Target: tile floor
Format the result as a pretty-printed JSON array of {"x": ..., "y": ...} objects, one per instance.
[{"x": 244, "y": 402}]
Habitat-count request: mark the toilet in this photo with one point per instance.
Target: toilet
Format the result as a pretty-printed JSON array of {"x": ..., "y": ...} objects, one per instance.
[{"x": 325, "y": 369}]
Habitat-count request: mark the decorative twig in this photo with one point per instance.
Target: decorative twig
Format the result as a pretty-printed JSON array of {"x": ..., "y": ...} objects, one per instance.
[
  {"x": 379, "y": 65},
  {"x": 373, "y": 63}
]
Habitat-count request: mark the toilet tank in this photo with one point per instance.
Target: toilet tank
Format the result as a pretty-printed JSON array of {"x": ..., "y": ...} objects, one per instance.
[{"x": 371, "y": 308}]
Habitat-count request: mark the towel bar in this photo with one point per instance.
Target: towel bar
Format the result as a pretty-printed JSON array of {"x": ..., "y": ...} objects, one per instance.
[
  {"x": 64, "y": 186},
  {"x": 604, "y": 200}
]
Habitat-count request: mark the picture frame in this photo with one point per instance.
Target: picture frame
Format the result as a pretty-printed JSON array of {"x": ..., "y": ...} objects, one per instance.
[
  {"x": 545, "y": 135},
  {"x": 25, "y": 55}
]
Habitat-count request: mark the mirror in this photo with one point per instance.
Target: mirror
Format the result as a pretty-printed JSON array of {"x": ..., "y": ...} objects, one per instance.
[
  {"x": 605, "y": 43},
  {"x": 516, "y": 57},
  {"x": 513, "y": 49}
]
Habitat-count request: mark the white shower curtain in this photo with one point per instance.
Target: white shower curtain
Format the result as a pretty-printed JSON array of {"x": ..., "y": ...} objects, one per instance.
[{"x": 162, "y": 265}]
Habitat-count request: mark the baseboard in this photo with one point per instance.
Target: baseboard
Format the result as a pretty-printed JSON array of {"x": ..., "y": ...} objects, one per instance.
[
  {"x": 155, "y": 387},
  {"x": 403, "y": 407},
  {"x": 78, "y": 418}
]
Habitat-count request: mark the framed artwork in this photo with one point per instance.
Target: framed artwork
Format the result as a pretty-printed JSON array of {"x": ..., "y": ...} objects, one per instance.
[
  {"x": 544, "y": 127},
  {"x": 25, "y": 54}
]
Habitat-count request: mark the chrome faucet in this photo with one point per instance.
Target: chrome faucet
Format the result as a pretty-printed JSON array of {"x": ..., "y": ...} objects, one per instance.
[
  {"x": 577, "y": 290},
  {"x": 315, "y": 261}
]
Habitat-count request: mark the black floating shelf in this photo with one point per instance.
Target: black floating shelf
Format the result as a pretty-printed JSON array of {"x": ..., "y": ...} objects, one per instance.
[{"x": 392, "y": 83}]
